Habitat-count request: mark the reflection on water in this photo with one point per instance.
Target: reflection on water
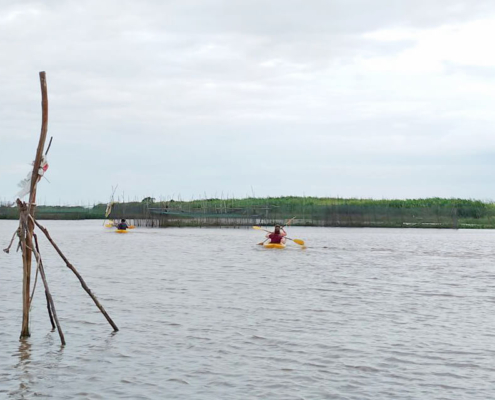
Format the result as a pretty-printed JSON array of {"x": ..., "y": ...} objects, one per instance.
[
  {"x": 207, "y": 314},
  {"x": 24, "y": 377}
]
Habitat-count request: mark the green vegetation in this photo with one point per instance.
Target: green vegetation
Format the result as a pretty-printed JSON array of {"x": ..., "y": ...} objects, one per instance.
[
  {"x": 58, "y": 212},
  {"x": 310, "y": 211}
]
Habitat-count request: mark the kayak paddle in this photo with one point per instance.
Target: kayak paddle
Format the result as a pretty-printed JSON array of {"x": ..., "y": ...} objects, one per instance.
[{"x": 298, "y": 241}]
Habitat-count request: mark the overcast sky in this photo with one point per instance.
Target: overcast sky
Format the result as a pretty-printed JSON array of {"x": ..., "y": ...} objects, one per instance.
[{"x": 349, "y": 98}]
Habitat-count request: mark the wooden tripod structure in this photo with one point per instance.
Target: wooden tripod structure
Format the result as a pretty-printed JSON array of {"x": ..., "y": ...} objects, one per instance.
[{"x": 28, "y": 241}]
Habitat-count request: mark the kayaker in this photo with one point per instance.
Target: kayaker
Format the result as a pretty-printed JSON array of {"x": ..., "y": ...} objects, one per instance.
[
  {"x": 122, "y": 225},
  {"x": 278, "y": 235}
]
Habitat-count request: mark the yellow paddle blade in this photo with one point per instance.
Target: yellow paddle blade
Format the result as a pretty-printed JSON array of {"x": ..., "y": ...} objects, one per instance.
[
  {"x": 131, "y": 227},
  {"x": 299, "y": 241}
]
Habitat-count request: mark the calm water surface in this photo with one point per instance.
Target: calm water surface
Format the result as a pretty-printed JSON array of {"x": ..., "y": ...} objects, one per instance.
[{"x": 207, "y": 314}]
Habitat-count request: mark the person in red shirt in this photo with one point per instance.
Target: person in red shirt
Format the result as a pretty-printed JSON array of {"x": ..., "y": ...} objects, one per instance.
[{"x": 278, "y": 236}]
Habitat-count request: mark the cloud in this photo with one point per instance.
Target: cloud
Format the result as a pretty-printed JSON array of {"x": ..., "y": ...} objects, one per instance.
[{"x": 194, "y": 96}]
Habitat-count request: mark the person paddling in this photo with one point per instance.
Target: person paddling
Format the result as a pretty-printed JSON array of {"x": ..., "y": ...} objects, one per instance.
[
  {"x": 122, "y": 225},
  {"x": 278, "y": 236}
]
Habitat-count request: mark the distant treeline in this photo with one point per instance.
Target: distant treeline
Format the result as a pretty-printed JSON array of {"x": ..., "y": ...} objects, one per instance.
[
  {"x": 310, "y": 211},
  {"x": 58, "y": 212}
]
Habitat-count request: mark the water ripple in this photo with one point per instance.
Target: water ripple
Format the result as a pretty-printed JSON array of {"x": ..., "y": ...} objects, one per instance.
[{"x": 203, "y": 314}]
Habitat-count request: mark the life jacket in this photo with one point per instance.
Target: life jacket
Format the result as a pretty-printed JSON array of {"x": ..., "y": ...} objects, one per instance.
[
  {"x": 275, "y": 238},
  {"x": 122, "y": 226}
]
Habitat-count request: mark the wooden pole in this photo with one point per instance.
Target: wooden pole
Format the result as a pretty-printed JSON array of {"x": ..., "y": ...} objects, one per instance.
[
  {"x": 51, "y": 304},
  {"x": 73, "y": 269},
  {"x": 49, "y": 310},
  {"x": 27, "y": 257}
]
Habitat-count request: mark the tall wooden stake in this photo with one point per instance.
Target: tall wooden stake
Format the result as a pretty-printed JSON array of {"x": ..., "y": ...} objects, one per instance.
[{"x": 27, "y": 257}]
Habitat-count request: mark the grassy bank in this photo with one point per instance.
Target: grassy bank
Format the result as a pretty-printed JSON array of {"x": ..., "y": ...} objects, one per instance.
[
  {"x": 58, "y": 212},
  {"x": 310, "y": 211}
]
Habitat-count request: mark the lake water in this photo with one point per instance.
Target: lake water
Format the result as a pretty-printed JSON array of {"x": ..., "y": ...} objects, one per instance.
[{"x": 208, "y": 314}]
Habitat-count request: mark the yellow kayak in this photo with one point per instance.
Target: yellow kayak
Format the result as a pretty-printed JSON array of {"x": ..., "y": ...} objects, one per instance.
[
  {"x": 274, "y": 245},
  {"x": 121, "y": 231}
]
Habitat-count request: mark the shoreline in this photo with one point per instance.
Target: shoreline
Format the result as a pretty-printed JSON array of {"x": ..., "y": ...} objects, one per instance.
[{"x": 438, "y": 213}]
